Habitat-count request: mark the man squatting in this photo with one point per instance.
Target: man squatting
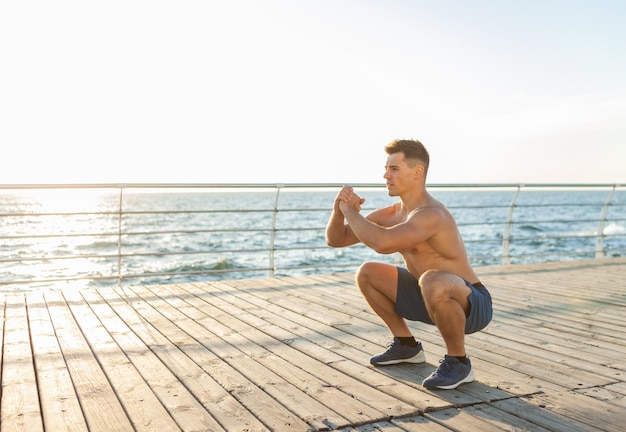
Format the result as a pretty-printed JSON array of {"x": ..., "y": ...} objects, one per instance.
[{"x": 437, "y": 286}]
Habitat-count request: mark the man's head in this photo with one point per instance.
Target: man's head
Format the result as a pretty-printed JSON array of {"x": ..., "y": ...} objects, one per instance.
[
  {"x": 414, "y": 152},
  {"x": 406, "y": 167}
]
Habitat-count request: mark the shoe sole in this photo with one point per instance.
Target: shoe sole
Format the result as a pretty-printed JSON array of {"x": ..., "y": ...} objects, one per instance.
[
  {"x": 417, "y": 358},
  {"x": 469, "y": 378}
]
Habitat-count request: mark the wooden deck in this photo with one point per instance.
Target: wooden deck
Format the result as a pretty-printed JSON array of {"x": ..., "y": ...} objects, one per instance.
[{"x": 293, "y": 354}]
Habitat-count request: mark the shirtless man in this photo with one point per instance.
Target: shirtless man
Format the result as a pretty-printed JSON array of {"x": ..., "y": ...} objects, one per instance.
[{"x": 438, "y": 285}]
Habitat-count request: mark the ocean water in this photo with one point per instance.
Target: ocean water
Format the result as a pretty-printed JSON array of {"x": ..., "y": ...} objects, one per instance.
[{"x": 48, "y": 235}]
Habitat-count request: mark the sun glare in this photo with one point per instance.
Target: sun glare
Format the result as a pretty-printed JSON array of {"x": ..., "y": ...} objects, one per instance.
[{"x": 66, "y": 200}]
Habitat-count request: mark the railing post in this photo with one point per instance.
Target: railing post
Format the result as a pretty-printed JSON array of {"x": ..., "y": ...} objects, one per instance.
[
  {"x": 273, "y": 232},
  {"x": 601, "y": 225},
  {"x": 506, "y": 235},
  {"x": 119, "y": 238}
]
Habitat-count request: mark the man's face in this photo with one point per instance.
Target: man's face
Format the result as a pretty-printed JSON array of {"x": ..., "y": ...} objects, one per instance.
[{"x": 397, "y": 174}]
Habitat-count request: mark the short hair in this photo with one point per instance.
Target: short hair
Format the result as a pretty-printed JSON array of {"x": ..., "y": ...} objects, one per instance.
[{"x": 412, "y": 149}]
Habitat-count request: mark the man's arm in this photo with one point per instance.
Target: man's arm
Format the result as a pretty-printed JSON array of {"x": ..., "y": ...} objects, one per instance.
[
  {"x": 338, "y": 234},
  {"x": 418, "y": 228}
]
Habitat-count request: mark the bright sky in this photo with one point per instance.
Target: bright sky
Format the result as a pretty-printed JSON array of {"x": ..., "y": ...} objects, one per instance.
[{"x": 283, "y": 91}]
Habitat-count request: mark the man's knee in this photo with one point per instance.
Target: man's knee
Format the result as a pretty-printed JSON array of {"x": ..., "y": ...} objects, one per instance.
[
  {"x": 364, "y": 273},
  {"x": 366, "y": 268},
  {"x": 430, "y": 280},
  {"x": 436, "y": 284},
  {"x": 374, "y": 275},
  {"x": 439, "y": 287}
]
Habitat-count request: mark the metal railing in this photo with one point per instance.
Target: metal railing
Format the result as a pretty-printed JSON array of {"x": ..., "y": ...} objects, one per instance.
[{"x": 107, "y": 234}]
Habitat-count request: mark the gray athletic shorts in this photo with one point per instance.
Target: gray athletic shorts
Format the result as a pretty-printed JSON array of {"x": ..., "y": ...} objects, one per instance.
[{"x": 410, "y": 303}]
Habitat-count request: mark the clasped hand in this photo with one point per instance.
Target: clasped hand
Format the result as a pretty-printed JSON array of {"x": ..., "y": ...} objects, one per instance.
[{"x": 347, "y": 198}]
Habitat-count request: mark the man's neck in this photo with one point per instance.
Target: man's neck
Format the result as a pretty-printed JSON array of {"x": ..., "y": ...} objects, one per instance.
[{"x": 415, "y": 199}]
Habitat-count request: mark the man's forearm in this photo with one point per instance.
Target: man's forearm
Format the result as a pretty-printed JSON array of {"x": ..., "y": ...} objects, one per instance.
[
  {"x": 357, "y": 222},
  {"x": 367, "y": 232},
  {"x": 335, "y": 229}
]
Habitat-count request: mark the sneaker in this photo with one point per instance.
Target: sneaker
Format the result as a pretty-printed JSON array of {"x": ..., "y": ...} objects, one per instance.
[
  {"x": 450, "y": 374},
  {"x": 398, "y": 353}
]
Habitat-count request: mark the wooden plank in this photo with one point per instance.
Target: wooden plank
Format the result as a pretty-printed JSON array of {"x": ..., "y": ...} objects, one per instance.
[
  {"x": 614, "y": 394},
  {"x": 218, "y": 402},
  {"x": 60, "y": 407},
  {"x": 245, "y": 388},
  {"x": 382, "y": 426},
  {"x": 504, "y": 420},
  {"x": 19, "y": 408},
  {"x": 3, "y": 304},
  {"x": 182, "y": 406},
  {"x": 244, "y": 340},
  {"x": 141, "y": 405},
  {"x": 549, "y": 308},
  {"x": 575, "y": 332},
  {"x": 544, "y": 364},
  {"x": 536, "y": 414},
  {"x": 462, "y": 420},
  {"x": 419, "y": 424},
  {"x": 406, "y": 424},
  {"x": 100, "y": 405},
  {"x": 561, "y": 334},
  {"x": 595, "y": 414}
]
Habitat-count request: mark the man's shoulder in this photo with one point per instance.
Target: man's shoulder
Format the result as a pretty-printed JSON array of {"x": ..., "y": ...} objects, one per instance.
[
  {"x": 437, "y": 215},
  {"x": 435, "y": 211}
]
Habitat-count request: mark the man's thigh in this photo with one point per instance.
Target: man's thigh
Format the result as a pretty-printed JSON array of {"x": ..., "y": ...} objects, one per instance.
[{"x": 381, "y": 276}]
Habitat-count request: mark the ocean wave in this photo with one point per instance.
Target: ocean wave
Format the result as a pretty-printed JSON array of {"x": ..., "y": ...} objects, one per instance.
[
  {"x": 220, "y": 264},
  {"x": 527, "y": 227},
  {"x": 97, "y": 245},
  {"x": 614, "y": 228}
]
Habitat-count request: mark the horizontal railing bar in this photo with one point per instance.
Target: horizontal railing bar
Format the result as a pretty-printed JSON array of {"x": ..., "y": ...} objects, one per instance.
[
  {"x": 554, "y": 221},
  {"x": 355, "y": 264},
  {"x": 285, "y": 210},
  {"x": 74, "y": 235},
  {"x": 134, "y": 233},
  {"x": 290, "y": 185},
  {"x": 248, "y": 250},
  {"x": 214, "y": 271},
  {"x": 291, "y": 229},
  {"x": 161, "y": 212},
  {"x": 106, "y": 213},
  {"x": 548, "y": 254},
  {"x": 137, "y": 254},
  {"x": 553, "y": 237},
  {"x": 64, "y": 279},
  {"x": 57, "y": 258},
  {"x": 269, "y": 210},
  {"x": 184, "y": 253},
  {"x": 139, "y": 212}
]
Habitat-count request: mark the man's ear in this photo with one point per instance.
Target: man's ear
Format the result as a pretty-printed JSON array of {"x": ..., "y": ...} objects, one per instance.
[{"x": 419, "y": 171}]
